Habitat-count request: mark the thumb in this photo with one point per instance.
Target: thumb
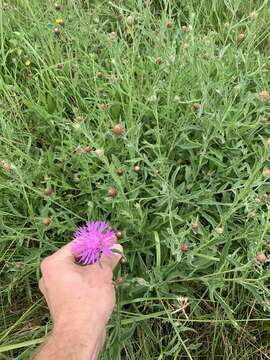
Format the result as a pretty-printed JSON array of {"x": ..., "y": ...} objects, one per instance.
[{"x": 114, "y": 258}]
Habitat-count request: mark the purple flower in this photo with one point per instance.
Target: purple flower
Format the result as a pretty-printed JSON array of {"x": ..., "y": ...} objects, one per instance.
[{"x": 92, "y": 239}]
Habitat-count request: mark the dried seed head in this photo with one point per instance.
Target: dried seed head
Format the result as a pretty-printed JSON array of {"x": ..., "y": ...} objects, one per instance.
[
  {"x": 119, "y": 130},
  {"x": 60, "y": 66},
  {"x": 169, "y": 24},
  {"x": 56, "y": 31},
  {"x": 172, "y": 58},
  {"x": 159, "y": 60},
  {"x": 185, "y": 28},
  {"x": 6, "y": 166},
  {"x": 120, "y": 280},
  {"x": 76, "y": 177},
  {"x": 241, "y": 38},
  {"x": 194, "y": 226},
  {"x": 119, "y": 234},
  {"x": 136, "y": 168},
  {"x": 112, "y": 191},
  {"x": 265, "y": 196},
  {"x": 261, "y": 257},
  {"x": 99, "y": 152},
  {"x": 152, "y": 98},
  {"x": 183, "y": 303},
  {"x": 120, "y": 172},
  {"x": 184, "y": 247},
  {"x": 206, "y": 56},
  {"x": 253, "y": 15},
  {"x": 87, "y": 149},
  {"x": 113, "y": 35},
  {"x": 264, "y": 96},
  {"x": 252, "y": 215},
  {"x": 46, "y": 221},
  {"x": 266, "y": 172},
  {"x": 48, "y": 191},
  {"x": 257, "y": 200},
  {"x": 197, "y": 106},
  {"x": 130, "y": 20},
  {"x": 57, "y": 6},
  {"x": 263, "y": 119},
  {"x": 267, "y": 143},
  {"x": 104, "y": 107},
  {"x": 79, "y": 119},
  {"x": 220, "y": 230}
]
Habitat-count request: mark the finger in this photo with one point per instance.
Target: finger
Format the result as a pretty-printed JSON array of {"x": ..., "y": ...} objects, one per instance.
[
  {"x": 114, "y": 258},
  {"x": 41, "y": 286},
  {"x": 64, "y": 254}
]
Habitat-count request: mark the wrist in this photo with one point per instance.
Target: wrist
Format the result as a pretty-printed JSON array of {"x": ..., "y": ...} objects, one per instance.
[{"x": 85, "y": 341}]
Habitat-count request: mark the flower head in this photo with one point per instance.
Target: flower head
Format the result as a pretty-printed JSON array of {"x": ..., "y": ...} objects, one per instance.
[{"x": 91, "y": 240}]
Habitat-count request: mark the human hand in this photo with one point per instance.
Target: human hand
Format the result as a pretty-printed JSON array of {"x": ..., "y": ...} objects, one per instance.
[{"x": 80, "y": 298}]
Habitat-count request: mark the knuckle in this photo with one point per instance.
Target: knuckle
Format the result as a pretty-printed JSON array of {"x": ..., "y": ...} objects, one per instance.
[{"x": 45, "y": 265}]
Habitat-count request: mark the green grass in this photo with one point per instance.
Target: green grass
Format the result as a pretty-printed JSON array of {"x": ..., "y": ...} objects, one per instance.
[{"x": 201, "y": 166}]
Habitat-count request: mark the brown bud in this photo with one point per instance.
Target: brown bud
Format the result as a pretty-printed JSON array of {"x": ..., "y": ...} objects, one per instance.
[
  {"x": 60, "y": 66},
  {"x": 257, "y": 200},
  {"x": 120, "y": 280},
  {"x": 56, "y": 31},
  {"x": 261, "y": 257},
  {"x": 113, "y": 35},
  {"x": 48, "y": 191},
  {"x": 57, "y": 6},
  {"x": 61, "y": 22},
  {"x": 46, "y": 221},
  {"x": 266, "y": 172},
  {"x": 119, "y": 130},
  {"x": 253, "y": 15},
  {"x": 169, "y": 24},
  {"x": 241, "y": 38},
  {"x": 265, "y": 196},
  {"x": 6, "y": 166},
  {"x": 206, "y": 56},
  {"x": 120, "y": 172},
  {"x": 119, "y": 234},
  {"x": 184, "y": 247},
  {"x": 194, "y": 226},
  {"x": 263, "y": 119},
  {"x": 264, "y": 96},
  {"x": 196, "y": 106},
  {"x": 112, "y": 191},
  {"x": 99, "y": 152},
  {"x": 136, "y": 168},
  {"x": 130, "y": 20},
  {"x": 267, "y": 143},
  {"x": 159, "y": 60},
  {"x": 220, "y": 230}
]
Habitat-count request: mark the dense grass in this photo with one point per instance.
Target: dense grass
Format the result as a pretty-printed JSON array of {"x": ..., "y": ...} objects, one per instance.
[{"x": 204, "y": 167}]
